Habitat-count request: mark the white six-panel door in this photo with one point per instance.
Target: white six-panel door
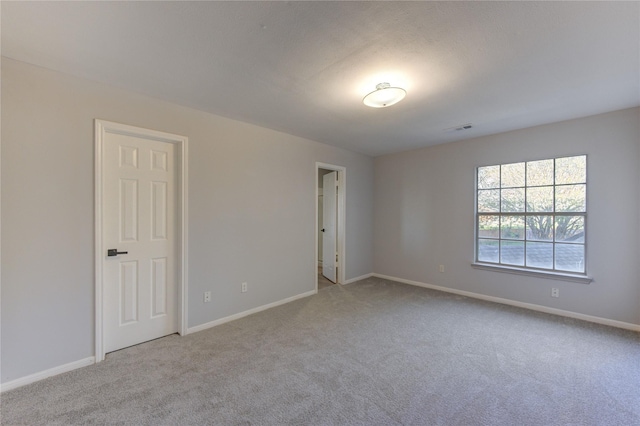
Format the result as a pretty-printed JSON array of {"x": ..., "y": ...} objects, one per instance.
[
  {"x": 329, "y": 225},
  {"x": 139, "y": 218}
]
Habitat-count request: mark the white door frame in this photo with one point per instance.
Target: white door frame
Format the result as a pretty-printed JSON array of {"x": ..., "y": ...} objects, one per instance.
[
  {"x": 103, "y": 127},
  {"x": 342, "y": 196}
]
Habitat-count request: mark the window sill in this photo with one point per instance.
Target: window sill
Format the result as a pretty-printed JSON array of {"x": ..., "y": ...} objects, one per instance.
[{"x": 583, "y": 279}]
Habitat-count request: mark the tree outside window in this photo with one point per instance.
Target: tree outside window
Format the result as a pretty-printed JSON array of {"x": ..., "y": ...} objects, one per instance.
[{"x": 532, "y": 214}]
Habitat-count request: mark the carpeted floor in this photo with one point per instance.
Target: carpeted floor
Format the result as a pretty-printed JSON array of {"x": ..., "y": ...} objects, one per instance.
[{"x": 371, "y": 353}]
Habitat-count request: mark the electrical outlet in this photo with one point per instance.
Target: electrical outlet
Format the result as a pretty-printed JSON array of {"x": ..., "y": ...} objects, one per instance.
[
  {"x": 441, "y": 268},
  {"x": 555, "y": 292},
  {"x": 244, "y": 287},
  {"x": 207, "y": 296}
]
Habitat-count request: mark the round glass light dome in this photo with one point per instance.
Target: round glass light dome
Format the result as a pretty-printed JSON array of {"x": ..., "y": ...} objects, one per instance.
[{"x": 384, "y": 96}]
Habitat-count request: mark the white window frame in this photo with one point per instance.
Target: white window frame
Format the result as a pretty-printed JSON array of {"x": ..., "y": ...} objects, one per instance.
[{"x": 580, "y": 277}]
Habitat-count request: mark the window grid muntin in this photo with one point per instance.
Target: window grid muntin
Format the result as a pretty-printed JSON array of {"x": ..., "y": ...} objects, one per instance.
[{"x": 500, "y": 214}]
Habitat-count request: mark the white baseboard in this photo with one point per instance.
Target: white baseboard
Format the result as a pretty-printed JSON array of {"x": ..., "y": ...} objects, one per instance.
[
  {"x": 531, "y": 306},
  {"x": 249, "y": 312},
  {"x": 361, "y": 277},
  {"x": 32, "y": 378}
]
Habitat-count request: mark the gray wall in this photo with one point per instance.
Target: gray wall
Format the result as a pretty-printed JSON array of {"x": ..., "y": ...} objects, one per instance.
[
  {"x": 424, "y": 214},
  {"x": 251, "y": 211}
]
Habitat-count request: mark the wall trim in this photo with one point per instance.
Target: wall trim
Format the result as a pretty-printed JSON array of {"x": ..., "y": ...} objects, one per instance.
[
  {"x": 553, "y": 275},
  {"x": 530, "y": 306},
  {"x": 361, "y": 277},
  {"x": 239, "y": 315},
  {"x": 32, "y": 378}
]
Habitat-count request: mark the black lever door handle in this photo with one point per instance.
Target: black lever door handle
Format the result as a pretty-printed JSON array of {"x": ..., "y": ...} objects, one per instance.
[
  {"x": 115, "y": 252},
  {"x": 322, "y": 229}
]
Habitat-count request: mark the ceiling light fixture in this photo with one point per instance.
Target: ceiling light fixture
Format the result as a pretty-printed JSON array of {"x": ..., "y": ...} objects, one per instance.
[{"x": 384, "y": 96}]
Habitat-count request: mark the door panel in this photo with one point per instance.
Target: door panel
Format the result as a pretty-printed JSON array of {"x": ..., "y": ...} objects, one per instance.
[
  {"x": 329, "y": 224},
  {"x": 159, "y": 286},
  {"x": 128, "y": 210},
  {"x": 159, "y": 211},
  {"x": 128, "y": 297},
  {"x": 139, "y": 214}
]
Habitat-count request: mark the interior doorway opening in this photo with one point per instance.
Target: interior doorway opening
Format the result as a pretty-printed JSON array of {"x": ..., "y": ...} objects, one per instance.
[{"x": 330, "y": 225}]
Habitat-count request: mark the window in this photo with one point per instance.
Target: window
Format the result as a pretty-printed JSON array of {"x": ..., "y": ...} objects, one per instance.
[{"x": 532, "y": 215}]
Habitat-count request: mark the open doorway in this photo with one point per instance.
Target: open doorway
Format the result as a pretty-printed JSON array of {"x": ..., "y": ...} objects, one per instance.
[{"x": 330, "y": 224}]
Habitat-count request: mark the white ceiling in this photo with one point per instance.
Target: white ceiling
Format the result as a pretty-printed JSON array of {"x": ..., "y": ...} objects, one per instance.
[{"x": 304, "y": 67}]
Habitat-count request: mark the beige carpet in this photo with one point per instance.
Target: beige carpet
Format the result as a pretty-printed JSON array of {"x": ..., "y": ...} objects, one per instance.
[{"x": 369, "y": 353}]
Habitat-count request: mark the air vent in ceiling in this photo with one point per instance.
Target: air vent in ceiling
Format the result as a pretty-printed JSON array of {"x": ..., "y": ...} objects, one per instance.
[{"x": 459, "y": 128}]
